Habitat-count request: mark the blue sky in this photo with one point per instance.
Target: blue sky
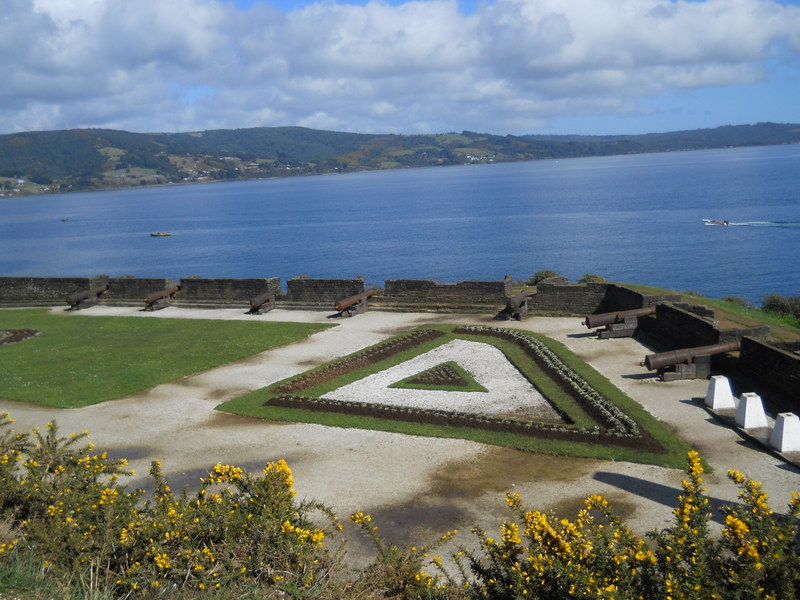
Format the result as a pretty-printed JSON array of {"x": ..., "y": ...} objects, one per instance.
[{"x": 398, "y": 66}]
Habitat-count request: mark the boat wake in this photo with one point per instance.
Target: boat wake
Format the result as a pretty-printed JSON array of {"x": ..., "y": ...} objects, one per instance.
[{"x": 752, "y": 223}]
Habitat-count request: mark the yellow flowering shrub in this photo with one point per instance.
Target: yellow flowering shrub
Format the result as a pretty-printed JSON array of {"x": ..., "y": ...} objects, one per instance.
[
  {"x": 245, "y": 535},
  {"x": 237, "y": 531}
]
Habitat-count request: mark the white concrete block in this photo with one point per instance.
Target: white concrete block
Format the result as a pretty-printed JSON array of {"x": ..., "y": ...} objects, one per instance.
[
  {"x": 718, "y": 394},
  {"x": 786, "y": 434},
  {"x": 750, "y": 413}
]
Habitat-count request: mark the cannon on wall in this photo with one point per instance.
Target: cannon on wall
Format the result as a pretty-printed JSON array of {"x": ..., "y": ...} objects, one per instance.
[
  {"x": 687, "y": 363},
  {"x": 263, "y": 302},
  {"x": 160, "y": 299},
  {"x": 86, "y": 298},
  {"x": 354, "y": 305},
  {"x": 517, "y": 306},
  {"x": 621, "y": 323}
]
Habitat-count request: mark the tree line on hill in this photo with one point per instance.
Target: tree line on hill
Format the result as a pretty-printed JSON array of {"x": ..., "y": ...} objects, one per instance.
[{"x": 102, "y": 158}]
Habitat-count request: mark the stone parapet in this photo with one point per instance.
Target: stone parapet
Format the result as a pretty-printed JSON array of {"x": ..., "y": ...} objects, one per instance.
[
  {"x": 200, "y": 291},
  {"x": 45, "y": 291},
  {"x": 427, "y": 294},
  {"x": 132, "y": 290},
  {"x": 308, "y": 292}
]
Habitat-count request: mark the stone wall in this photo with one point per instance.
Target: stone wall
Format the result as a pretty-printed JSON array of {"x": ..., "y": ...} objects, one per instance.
[
  {"x": 44, "y": 291},
  {"x": 427, "y": 294},
  {"x": 675, "y": 327},
  {"x": 776, "y": 367},
  {"x": 132, "y": 290},
  {"x": 579, "y": 299},
  {"x": 619, "y": 298},
  {"x": 305, "y": 291},
  {"x": 689, "y": 326},
  {"x": 591, "y": 298},
  {"x": 200, "y": 291}
]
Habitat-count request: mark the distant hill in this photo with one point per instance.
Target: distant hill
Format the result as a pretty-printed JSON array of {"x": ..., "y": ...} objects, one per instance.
[{"x": 49, "y": 161}]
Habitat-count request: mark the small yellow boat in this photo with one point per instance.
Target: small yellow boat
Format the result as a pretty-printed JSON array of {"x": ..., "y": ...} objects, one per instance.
[{"x": 160, "y": 234}]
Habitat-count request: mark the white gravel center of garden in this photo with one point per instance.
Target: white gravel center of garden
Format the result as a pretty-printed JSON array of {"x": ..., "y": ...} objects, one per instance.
[{"x": 508, "y": 392}]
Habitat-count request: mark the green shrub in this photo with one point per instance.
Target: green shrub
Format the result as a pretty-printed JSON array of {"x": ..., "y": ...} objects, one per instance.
[
  {"x": 776, "y": 303},
  {"x": 592, "y": 278},
  {"x": 540, "y": 276},
  {"x": 782, "y": 305}
]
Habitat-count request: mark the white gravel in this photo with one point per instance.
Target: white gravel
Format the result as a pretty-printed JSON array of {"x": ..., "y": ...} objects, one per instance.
[{"x": 508, "y": 392}]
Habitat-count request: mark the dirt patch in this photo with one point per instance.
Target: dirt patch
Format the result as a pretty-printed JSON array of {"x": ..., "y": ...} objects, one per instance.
[
  {"x": 499, "y": 469},
  {"x": 14, "y": 336},
  {"x": 568, "y": 508}
]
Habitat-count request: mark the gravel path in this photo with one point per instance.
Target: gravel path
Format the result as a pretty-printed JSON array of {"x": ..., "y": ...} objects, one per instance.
[{"x": 415, "y": 487}]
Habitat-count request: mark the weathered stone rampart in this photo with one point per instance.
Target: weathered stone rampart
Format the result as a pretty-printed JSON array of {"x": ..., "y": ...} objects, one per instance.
[
  {"x": 199, "y": 291},
  {"x": 579, "y": 299},
  {"x": 132, "y": 290},
  {"x": 304, "y": 291},
  {"x": 591, "y": 298},
  {"x": 45, "y": 291},
  {"x": 427, "y": 294},
  {"x": 777, "y": 367}
]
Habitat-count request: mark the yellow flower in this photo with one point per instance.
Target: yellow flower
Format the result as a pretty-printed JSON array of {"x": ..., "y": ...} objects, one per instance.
[
  {"x": 162, "y": 561},
  {"x": 509, "y": 533},
  {"x": 359, "y": 517},
  {"x": 282, "y": 468},
  {"x": 225, "y": 474}
]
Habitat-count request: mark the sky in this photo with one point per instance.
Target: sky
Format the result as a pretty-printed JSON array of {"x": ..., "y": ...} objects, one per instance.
[{"x": 398, "y": 66}]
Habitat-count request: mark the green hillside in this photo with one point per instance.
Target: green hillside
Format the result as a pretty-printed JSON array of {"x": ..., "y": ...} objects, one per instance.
[{"x": 52, "y": 161}]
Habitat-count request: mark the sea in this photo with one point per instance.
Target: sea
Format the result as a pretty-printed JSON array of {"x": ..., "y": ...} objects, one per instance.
[{"x": 633, "y": 218}]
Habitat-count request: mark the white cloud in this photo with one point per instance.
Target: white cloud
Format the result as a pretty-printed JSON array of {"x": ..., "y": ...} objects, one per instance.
[{"x": 417, "y": 66}]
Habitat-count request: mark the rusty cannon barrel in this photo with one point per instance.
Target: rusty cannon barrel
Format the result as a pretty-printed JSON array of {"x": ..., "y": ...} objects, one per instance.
[
  {"x": 345, "y": 303},
  {"x": 257, "y": 301},
  {"x": 674, "y": 357},
  {"x": 609, "y": 318},
  {"x": 165, "y": 293},
  {"x": 86, "y": 298},
  {"x": 515, "y": 302},
  {"x": 74, "y": 299}
]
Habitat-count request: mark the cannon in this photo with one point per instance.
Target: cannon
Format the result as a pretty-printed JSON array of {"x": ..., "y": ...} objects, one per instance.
[
  {"x": 262, "y": 303},
  {"x": 687, "y": 363},
  {"x": 517, "y": 306},
  {"x": 622, "y": 323},
  {"x": 160, "y": 299},
  {"x": 353, "y": 305},
  {"x": 86, "y": 298},
  {"x": 592, "y": 321}
]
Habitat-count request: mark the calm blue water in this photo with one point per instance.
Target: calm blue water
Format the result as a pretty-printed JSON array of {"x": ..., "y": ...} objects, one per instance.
[{"x": 631, "y": 218}]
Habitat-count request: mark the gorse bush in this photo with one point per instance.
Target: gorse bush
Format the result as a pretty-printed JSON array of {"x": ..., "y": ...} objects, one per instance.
[
  {"x": 65, "y": 510},
  {"x": 68, "y": 509}
]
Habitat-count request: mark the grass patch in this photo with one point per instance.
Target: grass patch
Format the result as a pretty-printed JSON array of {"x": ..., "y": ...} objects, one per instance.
[
  {"x": 668, "y": 449},
  {"x": 432, "y": 379},
  {"x": 78, "y": 361}
]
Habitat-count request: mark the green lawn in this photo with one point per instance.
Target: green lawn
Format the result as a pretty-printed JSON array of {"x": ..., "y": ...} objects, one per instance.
[{"x": 78, "y": 361}]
